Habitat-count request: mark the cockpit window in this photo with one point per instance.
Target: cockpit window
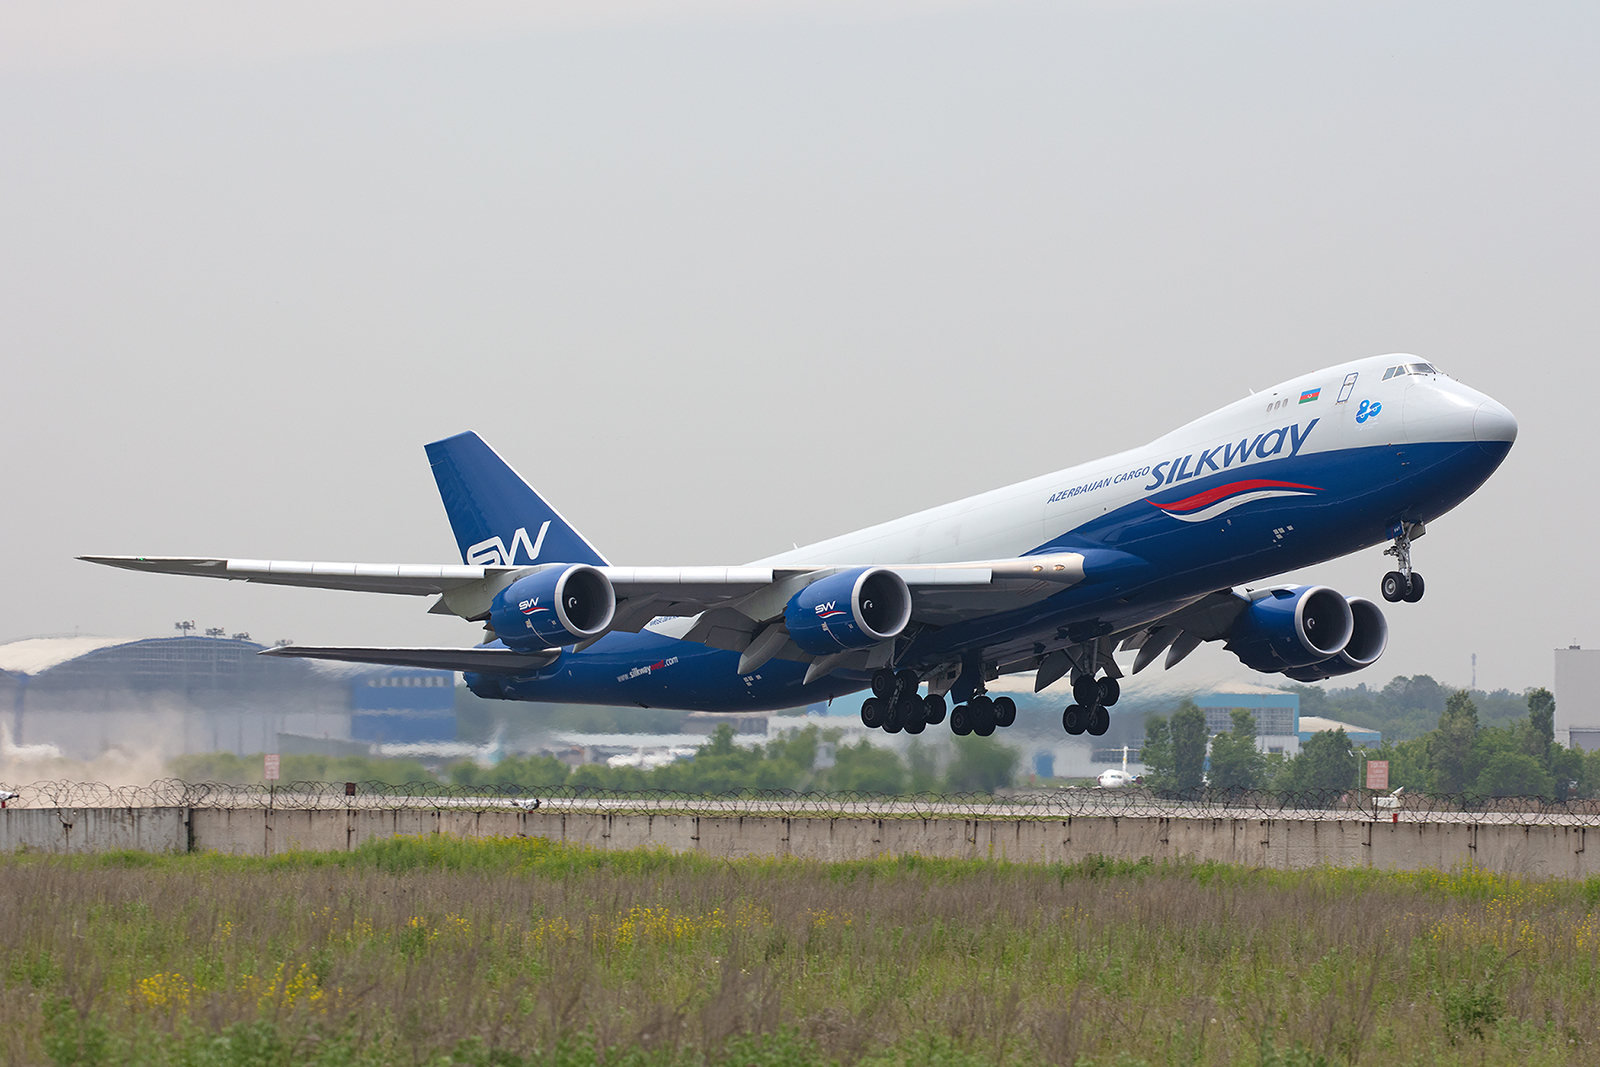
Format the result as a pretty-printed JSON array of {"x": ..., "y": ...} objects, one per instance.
[{"x": 1411, "y": 368}]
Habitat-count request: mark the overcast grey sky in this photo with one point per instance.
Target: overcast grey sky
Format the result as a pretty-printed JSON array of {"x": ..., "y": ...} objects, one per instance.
[{"x": 720, "y": 277}]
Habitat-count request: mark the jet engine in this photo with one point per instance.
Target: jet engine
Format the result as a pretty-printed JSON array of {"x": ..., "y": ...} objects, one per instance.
[
  {"x": 1368, "y": 638},
  {"x": 559, "y": 606},
  {"x": 849, "y": 610},
  {"x": 1287, "y": 628}
]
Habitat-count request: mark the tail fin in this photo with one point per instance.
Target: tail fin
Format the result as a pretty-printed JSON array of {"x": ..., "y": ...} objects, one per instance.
[{"x": 497, "y": 517}]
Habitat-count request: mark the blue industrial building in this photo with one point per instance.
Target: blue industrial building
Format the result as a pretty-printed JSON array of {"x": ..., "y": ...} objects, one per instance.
[
  {"x": 1277, "y": 715},
  {"x": 401, "y": 705}
]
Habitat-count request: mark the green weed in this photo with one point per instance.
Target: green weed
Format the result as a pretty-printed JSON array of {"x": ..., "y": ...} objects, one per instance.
[{"x": 503, "y": 952}]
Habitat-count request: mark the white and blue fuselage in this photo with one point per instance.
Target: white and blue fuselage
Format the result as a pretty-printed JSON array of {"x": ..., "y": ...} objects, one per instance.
[{"x": 1315, "y": 468}]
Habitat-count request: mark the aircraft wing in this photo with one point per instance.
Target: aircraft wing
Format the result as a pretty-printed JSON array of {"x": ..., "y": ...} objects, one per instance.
[
  {"x": 735, "y": 608},
  {"x": 414, "y": 579},
  {"x": 943, "y": 592}
]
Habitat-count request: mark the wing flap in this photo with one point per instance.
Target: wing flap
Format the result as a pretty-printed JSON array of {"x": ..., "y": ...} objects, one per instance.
[{"x": 1181, "y": 632}]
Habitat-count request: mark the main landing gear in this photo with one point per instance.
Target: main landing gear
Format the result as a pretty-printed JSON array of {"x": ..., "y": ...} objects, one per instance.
[
  {"x": 895, "y": 706},
  {"x": 982, "y": 714},
  {"x": 1403, "y": 584},
  {"x": 1089, "y": 714}
]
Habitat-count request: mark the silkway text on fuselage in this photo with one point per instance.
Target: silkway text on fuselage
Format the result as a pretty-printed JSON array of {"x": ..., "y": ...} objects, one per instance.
[{"x": 1223, "y": 456}]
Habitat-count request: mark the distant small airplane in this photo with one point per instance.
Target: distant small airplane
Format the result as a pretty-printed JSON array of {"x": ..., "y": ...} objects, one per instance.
[
  {"x": 1141, "y": 551},
  {"x": 1118, "y": 777},
  {"x": 1393, "y": 802}
]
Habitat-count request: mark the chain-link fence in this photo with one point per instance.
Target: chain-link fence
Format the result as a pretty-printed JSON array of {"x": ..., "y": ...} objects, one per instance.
[{"x": 1042, "y": 805}]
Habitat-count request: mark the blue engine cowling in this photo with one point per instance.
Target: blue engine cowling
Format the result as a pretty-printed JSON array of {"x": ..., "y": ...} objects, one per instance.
[
  {"x": 849, "y": 610},
  {"x": 1288, "y": 628},
  {"x": 559, "y": 606},
  {"x": 1368, "y": 639}
]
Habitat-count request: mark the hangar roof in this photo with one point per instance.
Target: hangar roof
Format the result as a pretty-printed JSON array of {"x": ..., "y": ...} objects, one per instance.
[
  {"x": 1315, "y": 724},
  {"x": 35, "y": 655}
]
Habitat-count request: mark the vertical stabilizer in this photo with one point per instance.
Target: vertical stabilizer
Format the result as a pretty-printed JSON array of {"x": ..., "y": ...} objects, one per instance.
[{"x": 497, "y": 517}]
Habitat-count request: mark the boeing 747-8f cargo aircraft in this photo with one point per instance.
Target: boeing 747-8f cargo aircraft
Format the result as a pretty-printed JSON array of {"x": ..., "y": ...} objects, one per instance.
[{"x": 1146, "y": 550}]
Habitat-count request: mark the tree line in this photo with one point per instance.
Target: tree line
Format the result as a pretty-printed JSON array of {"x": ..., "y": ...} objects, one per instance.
[
  {"x": 1459, "y": 755},
  {"x": 1405, "y": 708},
  {"x": 978, "y": 764},
  {"x": 794, "y": 761}
]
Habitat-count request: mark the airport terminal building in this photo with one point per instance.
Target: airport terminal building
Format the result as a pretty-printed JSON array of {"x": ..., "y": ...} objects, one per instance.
[{"x": 181, "y": 695}]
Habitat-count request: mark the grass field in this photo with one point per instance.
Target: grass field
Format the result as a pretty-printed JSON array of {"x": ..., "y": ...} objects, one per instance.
[{"x": 435, "y": 951}]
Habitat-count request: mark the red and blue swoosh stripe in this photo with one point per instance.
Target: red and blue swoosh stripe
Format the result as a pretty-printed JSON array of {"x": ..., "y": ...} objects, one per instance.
[{"x": 1214, "y": 501}]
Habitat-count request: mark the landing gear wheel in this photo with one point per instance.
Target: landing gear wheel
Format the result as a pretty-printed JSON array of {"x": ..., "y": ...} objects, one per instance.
[
  {"x": 872, "y": 713},
  {"x": 933, "y": 709},
  {"x": 983, "y": 717},
  {"x": 883, "y": 683},
  {"x": 1005, "y": 711},
  {"x": 961, "y": 720},
  {"x": 1110, "y": 692},
  {"x": 1404, "y": 583},
  {"x": 1074, "y": 720},
  {"x": 1099, "y": 721},
  {"x": 912, "y": 717},
  {"x": 908, "y": 682},
  {"x": 892, "y": 722},
  {"x": 1086, "y": 691}
]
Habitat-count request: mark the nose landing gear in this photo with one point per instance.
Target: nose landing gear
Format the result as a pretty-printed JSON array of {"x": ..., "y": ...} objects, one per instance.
[{"x": 1403, "y": 584}]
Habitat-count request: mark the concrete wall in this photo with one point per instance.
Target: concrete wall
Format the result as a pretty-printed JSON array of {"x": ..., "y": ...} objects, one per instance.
[
  {"x": 1543, "y": 851},
  {"x": 94, "y": 829}
]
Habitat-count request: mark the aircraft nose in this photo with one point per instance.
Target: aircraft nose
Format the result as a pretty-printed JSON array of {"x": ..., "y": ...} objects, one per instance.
[{"x": 1494, "y": 422}]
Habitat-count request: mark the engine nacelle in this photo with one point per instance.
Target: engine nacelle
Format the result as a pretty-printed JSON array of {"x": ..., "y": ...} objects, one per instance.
[
  {"x": 1368, "y": 639},
  {"x": 559, "y": 606},
  {"x": 1289, "y": 628},
  {"x": 849, "y": 610}
]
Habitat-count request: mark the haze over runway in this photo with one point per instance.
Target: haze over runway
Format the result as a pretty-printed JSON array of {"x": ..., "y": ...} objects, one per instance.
[{"x": 718, "y": 280}]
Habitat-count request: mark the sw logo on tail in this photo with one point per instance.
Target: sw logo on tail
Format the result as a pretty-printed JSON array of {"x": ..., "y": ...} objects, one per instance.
[{"x": 493, "y": 553}]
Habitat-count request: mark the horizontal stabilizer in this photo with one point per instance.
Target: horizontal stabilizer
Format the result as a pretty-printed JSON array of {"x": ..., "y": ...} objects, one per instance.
[{"x": 475, "y": 660}]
